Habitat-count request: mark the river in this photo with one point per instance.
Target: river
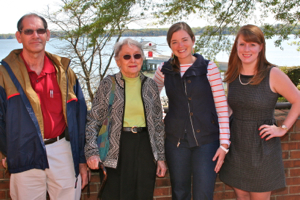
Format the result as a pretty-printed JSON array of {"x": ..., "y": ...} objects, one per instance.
[{"x": 289, "y": 56}]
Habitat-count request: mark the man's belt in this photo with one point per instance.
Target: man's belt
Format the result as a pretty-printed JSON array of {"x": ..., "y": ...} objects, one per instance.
[
  {"x": 134, "y": 129},
  {"x": 52, "y": 140}
]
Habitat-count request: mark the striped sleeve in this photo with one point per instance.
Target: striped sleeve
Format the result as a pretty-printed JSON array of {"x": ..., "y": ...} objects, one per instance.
[
  {"x": 215, "y": 80},
  {"x": 159, "y": 77}
]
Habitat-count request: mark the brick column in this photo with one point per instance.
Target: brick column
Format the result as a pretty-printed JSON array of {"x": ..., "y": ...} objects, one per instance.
[{"x": 4, "y": 182}]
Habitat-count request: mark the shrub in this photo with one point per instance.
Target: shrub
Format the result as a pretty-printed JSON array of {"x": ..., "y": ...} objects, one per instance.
[{"x": 293, "y": 73}]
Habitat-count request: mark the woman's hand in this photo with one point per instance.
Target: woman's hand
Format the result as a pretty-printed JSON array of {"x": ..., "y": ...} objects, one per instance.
[
  {"x": 161, "y": 168},
  {"x": 93, "y": 162},
  {"x": 220, "y": 155},
  {"x": 270, "y": 131}
]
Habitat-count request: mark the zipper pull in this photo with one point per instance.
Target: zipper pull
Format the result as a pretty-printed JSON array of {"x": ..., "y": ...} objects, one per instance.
[
  {"x": 76, "y": 182},
  {"x": 178, "y": 143}
]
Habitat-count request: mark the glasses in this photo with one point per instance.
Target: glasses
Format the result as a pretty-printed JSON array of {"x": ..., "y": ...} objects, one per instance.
[
  {"x": 136, "y": 56},
  {"x": 30, "y": 31}
]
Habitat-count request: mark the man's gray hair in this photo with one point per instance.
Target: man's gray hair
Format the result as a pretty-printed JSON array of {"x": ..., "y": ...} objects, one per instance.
[{"x": 130, "y": 42}]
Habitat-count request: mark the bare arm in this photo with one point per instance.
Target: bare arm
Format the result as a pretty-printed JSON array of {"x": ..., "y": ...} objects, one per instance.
[{"x": 281, "y": 84}]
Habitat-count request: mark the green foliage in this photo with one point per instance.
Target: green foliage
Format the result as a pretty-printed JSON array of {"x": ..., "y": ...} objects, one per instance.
[
  {"x": 281, "y": 99},
  {"x": 293, "y": 73},
  {"x": 296, "y": 43},
  {"x": 230, "y": 16},
  {"x": 108, "y": 16},
  {"x": 88, "y": 28}
]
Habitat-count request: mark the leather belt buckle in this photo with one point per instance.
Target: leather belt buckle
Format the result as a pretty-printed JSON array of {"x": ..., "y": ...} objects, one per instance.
[
  {"x": 134, "y": 129},
  {"x": 52, "y": 140}
]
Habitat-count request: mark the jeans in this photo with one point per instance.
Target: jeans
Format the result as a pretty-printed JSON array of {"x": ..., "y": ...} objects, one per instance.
[{"x": 196, "y": 162}]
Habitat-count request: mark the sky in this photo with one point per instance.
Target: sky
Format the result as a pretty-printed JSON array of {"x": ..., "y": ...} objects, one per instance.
[{"x": 13, "y": 10}]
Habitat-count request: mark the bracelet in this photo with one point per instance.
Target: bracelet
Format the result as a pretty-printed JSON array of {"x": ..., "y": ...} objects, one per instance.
[
  {"x": 284, "y": 127},
  {"x": 224, "y": 149}
]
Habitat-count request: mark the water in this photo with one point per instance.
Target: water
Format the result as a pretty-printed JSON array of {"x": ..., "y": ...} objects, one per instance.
[{"x": 287, "y": 57}]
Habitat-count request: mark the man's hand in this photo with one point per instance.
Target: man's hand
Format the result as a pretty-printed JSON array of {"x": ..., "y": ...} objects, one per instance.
[
  {"x": 4, "y": 163},
  {"x": 85, "y": 174}
]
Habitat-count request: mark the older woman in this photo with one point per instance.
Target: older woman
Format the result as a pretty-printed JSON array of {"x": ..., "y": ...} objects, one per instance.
[{"x": 135, "y": 154}]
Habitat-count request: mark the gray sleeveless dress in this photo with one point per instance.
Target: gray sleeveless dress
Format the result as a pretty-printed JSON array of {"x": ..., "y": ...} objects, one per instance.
[{"x": 252, "y": 164}]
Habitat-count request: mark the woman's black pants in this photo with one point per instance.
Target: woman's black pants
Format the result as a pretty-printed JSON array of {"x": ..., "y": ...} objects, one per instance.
[{"x": 134, "y": 178}]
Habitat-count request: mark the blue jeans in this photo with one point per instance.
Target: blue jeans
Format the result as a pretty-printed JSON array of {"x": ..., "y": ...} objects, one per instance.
[{"x": 184, "y": 163}]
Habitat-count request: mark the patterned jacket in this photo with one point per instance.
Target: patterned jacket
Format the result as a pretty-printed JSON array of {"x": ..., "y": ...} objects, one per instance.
[{"x": 99, "y": 112}]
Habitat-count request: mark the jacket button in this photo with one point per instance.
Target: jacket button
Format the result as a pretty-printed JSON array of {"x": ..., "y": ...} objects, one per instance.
[
  {"x": 191, "y": 114},
  {"x": 198, "y": 130},
  {"x": 190, "y": 98},
  {"x": 189, "y": 81},
  {"x": 212, "y": 121}
]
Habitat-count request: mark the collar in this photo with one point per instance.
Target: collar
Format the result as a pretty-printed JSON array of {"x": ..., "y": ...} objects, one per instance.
[
  {"x": 121, "y": 81},
  {"x": 47, "y": 68},
  {"x": 198, "y": 67}
]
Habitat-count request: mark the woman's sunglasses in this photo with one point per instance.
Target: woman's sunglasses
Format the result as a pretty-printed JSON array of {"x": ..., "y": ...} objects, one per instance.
[
  {"x": 136, "y": 56},
  {"x": 30, "y": 31}
]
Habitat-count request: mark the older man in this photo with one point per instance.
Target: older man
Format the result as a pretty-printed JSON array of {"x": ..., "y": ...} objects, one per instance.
[{"x": 42, "y": 119}]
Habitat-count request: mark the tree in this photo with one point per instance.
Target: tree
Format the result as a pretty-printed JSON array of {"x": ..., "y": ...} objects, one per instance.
[
  {"x": 229, "y": 16},
  {"x": 89, "y": 29}
]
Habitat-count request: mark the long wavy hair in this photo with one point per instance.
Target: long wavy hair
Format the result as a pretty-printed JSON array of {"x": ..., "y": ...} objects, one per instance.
[
  {"x": 174, "y": 28},
  {"x": 250, "y": 33}
]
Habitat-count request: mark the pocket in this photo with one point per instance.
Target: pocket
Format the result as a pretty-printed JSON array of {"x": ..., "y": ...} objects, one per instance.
[
  {"x": 54, "y": 101},
  {"x": 214, "y": 119}
]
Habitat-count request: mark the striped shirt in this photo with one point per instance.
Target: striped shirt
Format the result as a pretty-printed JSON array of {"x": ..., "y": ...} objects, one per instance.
[{"x": 215, "y": 81}]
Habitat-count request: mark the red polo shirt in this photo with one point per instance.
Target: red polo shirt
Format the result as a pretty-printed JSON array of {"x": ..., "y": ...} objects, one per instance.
[{"x": 46, "y": 86}]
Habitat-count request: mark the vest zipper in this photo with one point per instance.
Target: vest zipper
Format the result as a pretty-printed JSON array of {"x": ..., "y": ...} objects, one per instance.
[
  {"x": 178, "y": 142},
  {"x": 190, "y": 115}
]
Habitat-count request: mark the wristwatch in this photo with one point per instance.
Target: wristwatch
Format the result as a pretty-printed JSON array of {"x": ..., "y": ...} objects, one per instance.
[
  {"x": 224, "y": 149},
  {"x": 284, "y": 127}
]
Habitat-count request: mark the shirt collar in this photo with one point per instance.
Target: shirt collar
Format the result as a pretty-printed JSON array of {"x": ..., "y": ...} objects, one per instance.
[{"x": 47, "y": 69}]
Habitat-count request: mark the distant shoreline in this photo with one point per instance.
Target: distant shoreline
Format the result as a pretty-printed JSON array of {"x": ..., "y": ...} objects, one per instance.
[{"x": 148, "y": 32}]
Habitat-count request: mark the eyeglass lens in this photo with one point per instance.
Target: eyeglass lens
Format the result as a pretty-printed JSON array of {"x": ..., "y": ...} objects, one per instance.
[
  {"x": 136, "y": 56},
  {"x": 30, "y": 31}
]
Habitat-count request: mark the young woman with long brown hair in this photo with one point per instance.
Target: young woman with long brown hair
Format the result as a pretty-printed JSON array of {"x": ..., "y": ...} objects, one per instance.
[
  {"x": 197, "y": 124},
  {"x": 253, "y": 166}
]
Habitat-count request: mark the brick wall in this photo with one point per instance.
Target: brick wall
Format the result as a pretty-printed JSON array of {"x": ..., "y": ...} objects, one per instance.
[{"x": 290, "y": 154}]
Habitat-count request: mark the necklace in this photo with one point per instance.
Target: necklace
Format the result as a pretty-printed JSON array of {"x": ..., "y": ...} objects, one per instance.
[{"x": 242, "y": 82}]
